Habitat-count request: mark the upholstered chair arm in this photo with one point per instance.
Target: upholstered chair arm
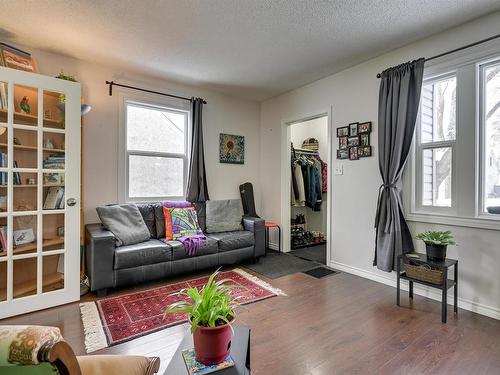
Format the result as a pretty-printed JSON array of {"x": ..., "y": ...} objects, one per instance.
[
  {"x": 256, "y": 225},
  {"x": 99, "y": 257},
  {"x": 26, "y": 345},
  {"x": 118, "y": 365}
]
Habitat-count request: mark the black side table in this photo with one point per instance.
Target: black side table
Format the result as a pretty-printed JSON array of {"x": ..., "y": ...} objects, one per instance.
[
  {"x": 447, "y": 283},
  {"x": 240, "y": 351}
]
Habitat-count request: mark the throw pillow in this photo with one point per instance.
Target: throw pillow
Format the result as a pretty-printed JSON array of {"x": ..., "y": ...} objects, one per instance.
[
  {"x": 224, "y": 215},
  {"x": 180, "y": 222},
  {"x": 125, "y": 222}
]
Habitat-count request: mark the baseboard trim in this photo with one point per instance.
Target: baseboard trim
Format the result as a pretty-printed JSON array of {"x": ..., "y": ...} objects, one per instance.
[
  {"x": 274, "y": 246},
  {"x": 423, "y": 291}
]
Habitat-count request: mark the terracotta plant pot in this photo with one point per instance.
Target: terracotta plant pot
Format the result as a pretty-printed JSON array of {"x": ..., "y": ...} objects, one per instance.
[
  {"x": 435, "y": 252},
  {"x": 212, "y": 344}
]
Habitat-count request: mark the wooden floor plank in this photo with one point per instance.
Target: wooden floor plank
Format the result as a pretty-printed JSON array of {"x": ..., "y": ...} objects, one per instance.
[{"x": 340, "y": 324}]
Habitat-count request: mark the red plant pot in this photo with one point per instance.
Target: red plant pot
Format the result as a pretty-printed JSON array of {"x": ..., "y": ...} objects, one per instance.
[{"x": 212, "y": 344}]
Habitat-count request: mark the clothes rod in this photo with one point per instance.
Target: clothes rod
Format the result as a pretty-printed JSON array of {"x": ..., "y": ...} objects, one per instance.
[
  {"x": 458, "y": 49},
  {"x": 113, "y": 83}
]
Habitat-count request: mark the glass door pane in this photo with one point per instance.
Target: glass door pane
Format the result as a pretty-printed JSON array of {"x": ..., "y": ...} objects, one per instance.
[
  {"x": 25, "y": 277},
  {"x": 53, "y": 273},
  {"x": 25, "y": 105}
]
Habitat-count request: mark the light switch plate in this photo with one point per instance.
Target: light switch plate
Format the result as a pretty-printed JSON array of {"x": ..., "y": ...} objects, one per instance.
[{"x": 339, "y": 169}]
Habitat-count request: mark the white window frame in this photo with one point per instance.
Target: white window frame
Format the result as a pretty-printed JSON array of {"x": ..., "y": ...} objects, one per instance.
[
  {"x": 468, "y": 176},
  {"x": 419, "y": 148},
  {"x": 124, "y": 154}
]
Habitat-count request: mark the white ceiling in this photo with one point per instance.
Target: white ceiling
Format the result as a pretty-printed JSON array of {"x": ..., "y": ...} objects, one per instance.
[{"x": 253, "y": 49}]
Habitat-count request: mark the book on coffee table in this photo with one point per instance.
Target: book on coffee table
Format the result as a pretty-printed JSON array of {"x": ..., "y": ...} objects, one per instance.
[{"x": 195, "y": 367}]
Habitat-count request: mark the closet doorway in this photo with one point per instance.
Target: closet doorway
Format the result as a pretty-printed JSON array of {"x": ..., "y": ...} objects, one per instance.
[{"x": 307, "y": 228}]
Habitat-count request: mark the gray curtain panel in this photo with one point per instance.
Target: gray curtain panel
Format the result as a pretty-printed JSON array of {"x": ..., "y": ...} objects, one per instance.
[
  {"x": 399, "y": 98},
  {"x": 197, "y": 190}
]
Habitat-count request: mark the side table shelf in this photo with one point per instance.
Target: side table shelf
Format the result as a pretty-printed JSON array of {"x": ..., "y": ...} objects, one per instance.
[{"x": 450, "y": 283}]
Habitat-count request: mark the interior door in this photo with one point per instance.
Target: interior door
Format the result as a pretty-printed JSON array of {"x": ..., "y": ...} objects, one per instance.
[{"x": 39, "y": 191}]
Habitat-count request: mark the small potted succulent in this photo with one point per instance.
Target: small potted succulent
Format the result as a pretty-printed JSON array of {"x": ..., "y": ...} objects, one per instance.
[
  {"x": 436, "y": 243},
  {"x": 210, "y": 313}
]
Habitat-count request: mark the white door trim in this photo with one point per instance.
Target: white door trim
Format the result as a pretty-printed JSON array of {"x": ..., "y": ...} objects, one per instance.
[{"x": 286, "y": 176}]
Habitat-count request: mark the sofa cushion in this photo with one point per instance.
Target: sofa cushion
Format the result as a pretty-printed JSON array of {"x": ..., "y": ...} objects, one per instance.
[
  {"x": 179, "y": 252},
  {"x": 125, "y": 222},
  {"x": 159, "y": 220},
  {"x": 224, "y": 215},
  {"x": 148, "y": 214},
  {"x": 141, "y": 254},
  {"x": 237, "y": 239}
]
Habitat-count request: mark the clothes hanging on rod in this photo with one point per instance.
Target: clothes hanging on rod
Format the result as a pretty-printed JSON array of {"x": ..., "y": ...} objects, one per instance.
[{"x": 307, "y": 171}]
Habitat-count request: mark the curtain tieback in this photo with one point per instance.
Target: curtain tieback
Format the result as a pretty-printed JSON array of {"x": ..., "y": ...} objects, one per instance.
[{"x": 380, "y": 189}]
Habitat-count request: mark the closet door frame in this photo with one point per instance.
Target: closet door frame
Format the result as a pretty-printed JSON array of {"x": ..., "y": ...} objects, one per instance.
[{"x": 286, "y": 176}]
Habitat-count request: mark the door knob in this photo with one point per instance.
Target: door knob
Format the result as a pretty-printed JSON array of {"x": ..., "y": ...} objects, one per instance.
[{"x": 71, "y": 201}]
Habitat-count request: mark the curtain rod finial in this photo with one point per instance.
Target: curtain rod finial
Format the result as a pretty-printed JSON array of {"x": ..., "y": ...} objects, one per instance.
[{"x": 379, "y": 75}]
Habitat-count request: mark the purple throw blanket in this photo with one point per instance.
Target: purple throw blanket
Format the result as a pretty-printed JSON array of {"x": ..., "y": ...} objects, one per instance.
[{"x": 193, "y": 242}]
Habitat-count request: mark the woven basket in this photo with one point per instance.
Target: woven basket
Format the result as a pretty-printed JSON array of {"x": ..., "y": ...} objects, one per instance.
[
  {"x": 424, "y": 272},
  {"x": 311, "y": 144}
]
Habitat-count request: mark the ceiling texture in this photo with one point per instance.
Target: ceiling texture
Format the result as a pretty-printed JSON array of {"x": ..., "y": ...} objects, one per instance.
[{"x": 253, "y": 49}]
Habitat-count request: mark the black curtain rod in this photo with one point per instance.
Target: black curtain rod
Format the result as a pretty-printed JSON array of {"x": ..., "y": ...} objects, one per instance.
[
  {"x": 113, "y": 83},
  {"x": 458, "y": 49}
]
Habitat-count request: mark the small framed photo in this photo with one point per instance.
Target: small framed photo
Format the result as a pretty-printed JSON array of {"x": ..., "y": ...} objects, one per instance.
[
  {"x": 364, "y": 127},
  {"x": 353, "y": 153},
  {"x": 353, "y": 129},
  {"x": 352, "y": 141},
  {"x": 364, "y": 151},
  {"x": 23, "y": 236},
  {"x": 343, "y": 131},
  {"x": 343, "y": 154},
  {"x": 342, "y": 143},
  {"x": 364, "y": 139}
]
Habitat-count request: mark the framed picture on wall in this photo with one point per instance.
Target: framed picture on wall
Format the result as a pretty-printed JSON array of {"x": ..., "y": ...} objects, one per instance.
[
  {"x": 353, "y": 153},
  {"x": 17, "y": 59},
  {"x": 343, "y": 154},
  {"x": 365, "y": 127},
  {"x": 352, "y": 141},
  {"x": 342, "y": 143},
  {"x": 231, "y": 149},
  {"x": 343, "y": 131},
  {"x": 353, "y": 129},
  {"x": 364, "y": 139},
  {"x": 364, "y": 151}
]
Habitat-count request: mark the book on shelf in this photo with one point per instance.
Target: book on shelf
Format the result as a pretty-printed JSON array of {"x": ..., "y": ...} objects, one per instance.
[
  {"x": 195, "y": 367},
  {"x": 54, "y": 161},
  {"x": 3, "y": 237},
  {"x": 3, "y": 164},
  {"x": 16, "y": 176},
  {"x": 3, "y": 95},
  {"x": 54, "y": 199}
]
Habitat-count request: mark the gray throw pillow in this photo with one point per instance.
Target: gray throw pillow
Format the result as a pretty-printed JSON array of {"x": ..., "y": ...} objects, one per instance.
[
  {"x": 224, "y": 215},
  {"x": 125, "y": 222}
]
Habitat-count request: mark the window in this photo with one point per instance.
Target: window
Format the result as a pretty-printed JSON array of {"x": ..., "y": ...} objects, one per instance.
[
  {"x": 435, "y": 143},
  {"x": 489, "y": 76},
  {"x": 156, "y": 151}
]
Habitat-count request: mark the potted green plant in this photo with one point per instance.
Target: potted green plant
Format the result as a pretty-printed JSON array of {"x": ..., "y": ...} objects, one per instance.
[
  {"x": 210, "y": 313},
  {"x": 436, "y": 243}
]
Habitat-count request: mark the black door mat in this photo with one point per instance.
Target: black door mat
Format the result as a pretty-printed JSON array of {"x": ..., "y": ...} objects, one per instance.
[
  {"x": 320, "y": 272},
  {"x": 276, "y": 265}
]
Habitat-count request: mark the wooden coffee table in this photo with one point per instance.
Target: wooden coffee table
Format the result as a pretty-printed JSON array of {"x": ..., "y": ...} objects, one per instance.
[{"x": 240, "y": 352}]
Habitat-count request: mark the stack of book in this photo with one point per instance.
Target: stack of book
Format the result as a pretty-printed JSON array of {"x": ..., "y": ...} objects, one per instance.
[
  {"x": 16, "y": 177},
  {"x": 54, "y": 199},
  {"x": 54, "y": 161}
]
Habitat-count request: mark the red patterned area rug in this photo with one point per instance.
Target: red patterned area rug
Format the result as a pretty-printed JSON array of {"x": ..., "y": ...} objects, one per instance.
[{"x": 114, "y": 320}]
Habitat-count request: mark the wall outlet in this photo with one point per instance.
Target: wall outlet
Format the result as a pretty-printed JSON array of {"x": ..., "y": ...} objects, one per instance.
[{"x": 339, "y": 169}]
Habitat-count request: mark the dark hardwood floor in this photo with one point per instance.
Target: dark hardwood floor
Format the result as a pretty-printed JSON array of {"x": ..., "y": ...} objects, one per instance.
[{"x": 340, "y": 324}]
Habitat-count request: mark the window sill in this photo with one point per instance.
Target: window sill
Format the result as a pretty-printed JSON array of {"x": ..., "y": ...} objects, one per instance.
[{"x": 477, "y": 222}]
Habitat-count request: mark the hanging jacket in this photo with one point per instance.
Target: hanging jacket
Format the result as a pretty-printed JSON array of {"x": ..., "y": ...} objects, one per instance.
[{"x": 301, "y": 200}]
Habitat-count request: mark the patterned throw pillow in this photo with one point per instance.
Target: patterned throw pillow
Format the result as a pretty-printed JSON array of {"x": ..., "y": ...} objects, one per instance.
[{"x": 180, "y": 222}]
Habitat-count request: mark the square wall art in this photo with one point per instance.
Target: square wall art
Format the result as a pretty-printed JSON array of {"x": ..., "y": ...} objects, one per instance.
[{"x": 231, "y": 148}]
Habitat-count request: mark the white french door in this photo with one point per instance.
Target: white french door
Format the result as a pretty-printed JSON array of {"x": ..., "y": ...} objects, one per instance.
[{"x": 39, "y": 191}]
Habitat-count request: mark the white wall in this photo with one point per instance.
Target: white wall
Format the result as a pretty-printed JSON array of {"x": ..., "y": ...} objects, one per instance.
[
  {"x": 100, "y": 141},
  {"x": 353, "y": 96},
  {"x": 316, "y": 128}
]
